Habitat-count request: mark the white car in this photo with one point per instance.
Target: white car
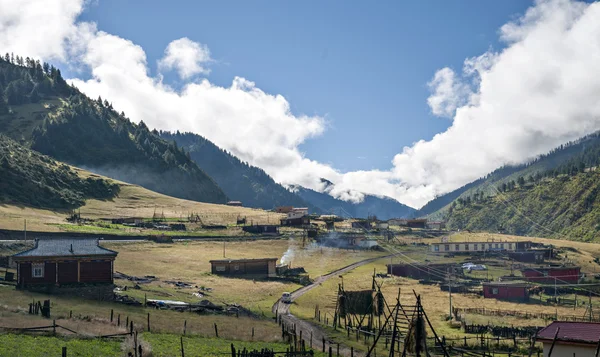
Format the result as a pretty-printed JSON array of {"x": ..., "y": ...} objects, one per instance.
[{"x": 286, "y": 298}]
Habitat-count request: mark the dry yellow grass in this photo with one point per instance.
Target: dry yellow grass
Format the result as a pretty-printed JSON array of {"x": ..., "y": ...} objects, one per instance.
[
  {"x": 132, "y": 201},
  {"x": 189, "y": 262},
  {"x": 162, "y": 321}
]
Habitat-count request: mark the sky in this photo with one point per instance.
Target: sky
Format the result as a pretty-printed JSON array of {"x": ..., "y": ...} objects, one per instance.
[{"x": 403, "y": 99}]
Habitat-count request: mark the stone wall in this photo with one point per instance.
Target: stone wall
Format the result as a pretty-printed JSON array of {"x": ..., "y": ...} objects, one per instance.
[{"x": 103, "y": 292}]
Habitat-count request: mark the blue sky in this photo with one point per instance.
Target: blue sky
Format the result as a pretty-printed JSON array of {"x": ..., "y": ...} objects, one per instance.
[{"x": 364, "y": 66}]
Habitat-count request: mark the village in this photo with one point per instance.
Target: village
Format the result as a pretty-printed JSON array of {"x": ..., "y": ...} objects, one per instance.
[{"x": 330, "y": 285}]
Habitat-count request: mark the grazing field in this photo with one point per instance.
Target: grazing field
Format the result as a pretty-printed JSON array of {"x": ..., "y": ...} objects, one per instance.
[
  {"x": 435, "y": 301},
  {"x": 16, "y": 345},
  {"x": 188, "y": 261},
  {"x": 132, "y": 201}
]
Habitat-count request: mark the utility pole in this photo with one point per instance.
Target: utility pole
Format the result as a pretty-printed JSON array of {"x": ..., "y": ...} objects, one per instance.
[{"x": 450, "y": 294}]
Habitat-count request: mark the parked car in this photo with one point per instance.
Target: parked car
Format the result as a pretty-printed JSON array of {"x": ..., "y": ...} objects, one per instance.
[{"x": 286, "y": 298}]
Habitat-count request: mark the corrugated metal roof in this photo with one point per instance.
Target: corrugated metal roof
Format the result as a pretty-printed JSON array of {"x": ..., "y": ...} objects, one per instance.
[
  {"x": 66, "y": 247},
  {"x": 582, "y": 332},
  {"x": 242, "y": 260}
]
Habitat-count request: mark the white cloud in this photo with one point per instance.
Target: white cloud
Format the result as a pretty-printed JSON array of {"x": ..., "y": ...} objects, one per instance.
[
  {"x": 507, "y": 106},
  {"x": 187, "y": 57},
  {"x": 448, "y": 94}
]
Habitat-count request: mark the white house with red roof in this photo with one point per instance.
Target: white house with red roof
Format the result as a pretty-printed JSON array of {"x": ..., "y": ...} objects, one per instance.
[{"x": 574, "y": 339}]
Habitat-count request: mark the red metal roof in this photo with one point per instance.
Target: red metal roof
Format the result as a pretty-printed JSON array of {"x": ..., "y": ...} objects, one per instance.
[{"x": 582, "y": 332}]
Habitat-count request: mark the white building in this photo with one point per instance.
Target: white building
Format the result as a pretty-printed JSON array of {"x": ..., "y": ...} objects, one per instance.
[{"x": 466, "y": 247}]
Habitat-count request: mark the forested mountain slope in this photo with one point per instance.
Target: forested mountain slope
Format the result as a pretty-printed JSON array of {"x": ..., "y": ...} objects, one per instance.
[
  {"x": 568, "y": 158},
  {"x": 240, "y": 181},
  {"x": 565, "y": 206},
  {"x": 32, "y": 179},
  {"x": 40, "y": 110}
]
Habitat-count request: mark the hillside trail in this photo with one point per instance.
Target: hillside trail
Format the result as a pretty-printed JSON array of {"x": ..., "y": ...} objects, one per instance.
[{"x": 318, "y": 333}]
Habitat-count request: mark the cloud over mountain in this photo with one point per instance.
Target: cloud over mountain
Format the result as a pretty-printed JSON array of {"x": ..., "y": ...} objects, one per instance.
[{"x": 506, "y": 106}]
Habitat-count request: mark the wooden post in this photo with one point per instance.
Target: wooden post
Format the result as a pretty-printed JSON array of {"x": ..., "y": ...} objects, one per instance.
[
  {"x": 232, "y": 351},
  {"x": 54, "y": 327},
  {"x": 119, "y": 320},
  {"x": 253, "y": 333},
  {"x": 553, "y": 342},
  {"x": 330, "y": 351},
  {"x": 351, "y": 351},
  {"x": 216, "y": 330},
  {"x": 312, "y": 347},
  {"x": 130, "y": 326},
  {"x": 64, "y": 351},
  {"x": 338, "y": 350},
  {"x": 135, "y": 351},
  {"x": 323, "y": 344},
  {"x": 145, "y": 300},
  {"x": 182, "y": 350},
  {"x": 184, "y": 326},
  {"x": 111, "y": 315},
  {"x": 71, "y": 314},
  {"x": 148, "y": 322}
]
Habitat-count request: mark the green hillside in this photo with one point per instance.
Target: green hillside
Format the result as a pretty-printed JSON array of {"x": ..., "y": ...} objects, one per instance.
[
  {"x": 560, "y": 207},
  {"x": 572, "y": 156},
  {"x": 40, "y": 110},
  {"x": 32, "y": 179},
  {"x": 240, "y": 181}
]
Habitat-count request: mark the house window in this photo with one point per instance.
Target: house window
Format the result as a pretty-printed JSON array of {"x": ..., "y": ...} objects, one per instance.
[
  {"x": 490, "y": 245},
  {"x": 501, "y": 245},
  {"x": 236, "y": 267},
  {"x": 475, "y": 246},
  {"x": 456, "y": 247},
  {"x": 466, "y": 247},
  {"x": 447, "y": 247},
  {"x": 494, "y": 291},
  {"x": 37, "y": 270},
  {"x": 220, "y": 268},
  {"x": 510, "y": 246},
  {"x": 436, "y": 248},
  {"x": 496, "y": 245}
]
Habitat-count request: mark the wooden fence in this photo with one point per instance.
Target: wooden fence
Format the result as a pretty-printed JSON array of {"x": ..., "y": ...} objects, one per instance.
[{"x": 458, "y": 311}]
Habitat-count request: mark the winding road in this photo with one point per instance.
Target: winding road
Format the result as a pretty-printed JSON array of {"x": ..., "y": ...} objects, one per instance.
[{"x": 318, "y": 333}]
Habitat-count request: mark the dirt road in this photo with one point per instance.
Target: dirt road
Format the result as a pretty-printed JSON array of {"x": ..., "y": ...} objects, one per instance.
[{"x": 307, "y": 327}]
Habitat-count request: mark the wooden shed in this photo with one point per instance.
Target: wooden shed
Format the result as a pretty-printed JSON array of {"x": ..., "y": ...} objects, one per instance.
[
  {"x": 425, "y": 271},
  {"x": 506, "y": 290},
  {"x": 64, "y": 262},
  {"x": 553, "y": 274},
  {"x": 252, "y": 268}
]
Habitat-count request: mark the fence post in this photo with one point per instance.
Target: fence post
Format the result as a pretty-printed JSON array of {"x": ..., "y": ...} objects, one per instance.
[
  {"x": 232, "y": 350},
  {"x": 111, "y": 315},
  {"x": 54, "y": 327},
  {"x": 253, "y": 333},
  {"x": 216, "y": 330},
  {"x": 330, "y": 351},
  {"x": 71, "y": 314},
  {"x": 64, "y": 351},
  {"x": 148, "y": 322},
  {"x": 184, "y": 326},
  {"x": 119, "y": 320},
  {"x": 135, "y": 351},
  {"x": 351, "y": 351},
  {"x": 311, "y": 340},
  {"x": 323, "y": 344},
  {"x": 182, "y": 350}
]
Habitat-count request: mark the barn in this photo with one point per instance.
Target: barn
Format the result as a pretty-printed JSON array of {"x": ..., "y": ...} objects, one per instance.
[
  {"x": 65, "y": 262},
  {"x": 506, "y": 290},
  {"x": 425, "y": 271},
  {"x": 250, "y": 268},
  {"x": 261, "y": 229},
  {"x": 553, "y": 274},
  {"x": 529, "y": 256}
]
